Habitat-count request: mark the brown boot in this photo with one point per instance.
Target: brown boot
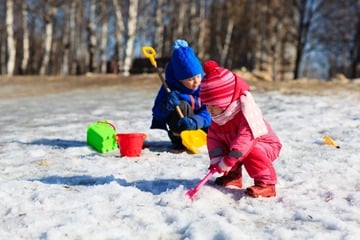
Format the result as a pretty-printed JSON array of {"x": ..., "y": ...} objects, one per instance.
[
  {"x": 232, "y": 179},
  {"x": 261, "y": 190}
]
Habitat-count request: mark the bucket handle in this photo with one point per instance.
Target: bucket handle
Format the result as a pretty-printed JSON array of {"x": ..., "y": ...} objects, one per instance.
[{"x": 104, "y": 122}]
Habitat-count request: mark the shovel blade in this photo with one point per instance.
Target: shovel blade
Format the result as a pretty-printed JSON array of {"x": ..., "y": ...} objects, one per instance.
[
  {"x": 190, "y": 193},
  {"x": 193, "y": 139}
]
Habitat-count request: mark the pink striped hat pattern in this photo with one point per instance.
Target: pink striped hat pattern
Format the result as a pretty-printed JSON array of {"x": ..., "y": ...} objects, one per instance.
[{"x": 218, "y": 85}]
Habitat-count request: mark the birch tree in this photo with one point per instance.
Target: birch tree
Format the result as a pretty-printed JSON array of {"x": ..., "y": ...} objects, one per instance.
[
  {"x": 103, "y": 36},
  {"x": 120, "y": 30},
  {"x": 103, "y": 41},
  {"x": 73, "y": 37},
  {"x": 92, "y": 43},
  {"x": 66, "y": 42},
  {"x": 309, "y": 12},
  {"x": 48, "y": 38},
  {"x": 225, "y": 48},
  {"x": 26, "y": 40},
  {"x": 159, "y": 27},
  {"x": 181, "y": 18},
  {"x": 10, "y": 37},
  {"x": 355, "y": 50},
  {"x": 201, "y": 42},
  {"x": 3, "y": 40},
  {"x": 132, "y": 22},
  {"x": 2, "y": 52}
]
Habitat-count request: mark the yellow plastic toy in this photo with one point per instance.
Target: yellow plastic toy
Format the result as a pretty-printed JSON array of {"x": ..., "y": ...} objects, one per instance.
[
  {"x": 193, "y": 141},
  {"x": 330, "y": 141}
]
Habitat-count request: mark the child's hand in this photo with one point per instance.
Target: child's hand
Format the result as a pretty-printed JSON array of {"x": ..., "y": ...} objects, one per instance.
[
  {"x": 215, "y": 161},
  {"x": 221, "y": 164},
  {"x": 186, "y": 123},
  {"x": 172, "y": 100},
  {"x": 221, "y": 167}
]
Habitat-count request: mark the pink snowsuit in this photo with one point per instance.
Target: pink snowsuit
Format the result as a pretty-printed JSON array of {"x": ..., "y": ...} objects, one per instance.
[{"x": 258, "y": 153}]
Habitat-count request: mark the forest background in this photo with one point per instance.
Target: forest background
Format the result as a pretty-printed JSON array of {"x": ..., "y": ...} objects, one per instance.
[{"x": 284, "y": 39}]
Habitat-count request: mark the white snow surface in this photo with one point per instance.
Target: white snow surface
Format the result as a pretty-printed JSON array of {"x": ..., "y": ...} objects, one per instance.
[{"x": 54, "y": 186}]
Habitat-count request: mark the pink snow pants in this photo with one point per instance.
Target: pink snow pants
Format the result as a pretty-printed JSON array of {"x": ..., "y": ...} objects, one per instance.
[{"x": 259, "y": 165}]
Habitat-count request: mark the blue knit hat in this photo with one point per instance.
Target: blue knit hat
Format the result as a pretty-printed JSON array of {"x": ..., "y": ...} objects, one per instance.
[{"x": 184, "y": 63}]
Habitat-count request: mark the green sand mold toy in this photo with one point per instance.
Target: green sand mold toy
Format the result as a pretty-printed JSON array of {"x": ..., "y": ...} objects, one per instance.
[{"x": 102, "y": 136}]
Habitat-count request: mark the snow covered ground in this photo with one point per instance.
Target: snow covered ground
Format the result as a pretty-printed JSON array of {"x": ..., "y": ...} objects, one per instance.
[{"x": 53, "y": 186}]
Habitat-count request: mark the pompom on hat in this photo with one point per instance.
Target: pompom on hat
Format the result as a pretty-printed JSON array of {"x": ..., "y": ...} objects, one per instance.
[
  {"x": 184, "y": 63},
  {"x": 217, "y": 87}
]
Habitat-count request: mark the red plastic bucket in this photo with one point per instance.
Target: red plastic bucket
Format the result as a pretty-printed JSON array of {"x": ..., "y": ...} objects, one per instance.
[{"x": 130, "y": 144}]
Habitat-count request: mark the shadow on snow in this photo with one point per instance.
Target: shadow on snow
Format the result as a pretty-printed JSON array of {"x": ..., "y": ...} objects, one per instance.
[
  {"x": 154, "y": 146},
  {"x": 58, "y": 143},
  {"x": 156, "y": 186}
]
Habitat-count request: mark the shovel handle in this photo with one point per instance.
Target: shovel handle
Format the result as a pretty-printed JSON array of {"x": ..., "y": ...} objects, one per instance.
[{"x": 150, "y": 53}]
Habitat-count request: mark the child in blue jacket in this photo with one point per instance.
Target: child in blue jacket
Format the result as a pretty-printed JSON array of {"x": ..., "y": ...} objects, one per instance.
[{"x": 183, "y": 75}]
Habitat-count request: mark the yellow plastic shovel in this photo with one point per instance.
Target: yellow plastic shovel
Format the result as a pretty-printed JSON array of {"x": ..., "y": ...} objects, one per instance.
[
  {"x": 191, "y": 139},
  {"x": 330, "y": 141}
]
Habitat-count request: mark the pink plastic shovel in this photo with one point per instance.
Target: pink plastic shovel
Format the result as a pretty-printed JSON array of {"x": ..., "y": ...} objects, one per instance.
[{"x": 191, "y": 193}]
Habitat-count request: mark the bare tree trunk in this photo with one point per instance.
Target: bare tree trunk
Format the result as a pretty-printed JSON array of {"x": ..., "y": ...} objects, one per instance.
[
  {"x": 73, "y": 46},
  {"x": 65, "y": 62},
  {"x": 132, "y": 22},
  {"x": 103, "y": 48},
  {"x": 159, "y": 23},
  {"x": 119, "y": 31},
  {"x": 3, "y": 39},
  {"x": 275, "y": 44},
  {"x": 225, "y": 49},
  {"x": 10, "y": 37},
  {"x": 3, "y": 54},
  {"x": 49, "y": 28},
  {"x": 81, "y": 49},
  {"x": 191, "y": 23},
  {"x": 218, "y": 27},
  {"x": 355, "y": 51},
  {"x": 26, "y": 40},
  {"x": 202, "y": 32},
  {"x": 261, "y": 62},
  {"x": 2, "y": 42},
  {"x": 181, "y": 19},
  {"x": 66, "y": 42},
  {"x": 92, "y": 63},
  {"x": 305, "y": 17},
  {"x": 103, "y": 41}
]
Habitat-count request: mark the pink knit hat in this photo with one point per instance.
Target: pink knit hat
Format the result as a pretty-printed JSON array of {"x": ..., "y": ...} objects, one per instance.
[{"x": 218, "y": 86}]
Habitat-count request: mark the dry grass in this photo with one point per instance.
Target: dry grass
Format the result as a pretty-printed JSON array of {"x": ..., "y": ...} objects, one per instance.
[{"x": 20, "y": 86}]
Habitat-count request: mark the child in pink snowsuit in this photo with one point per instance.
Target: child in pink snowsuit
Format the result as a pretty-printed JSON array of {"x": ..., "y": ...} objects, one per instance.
[{"x": 238, "y": 134}]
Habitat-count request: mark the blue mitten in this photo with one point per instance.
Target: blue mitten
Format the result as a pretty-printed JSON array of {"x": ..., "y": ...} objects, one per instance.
[
  {"x": 186, "y": 123},
  {"x": 172, "y": 100}
]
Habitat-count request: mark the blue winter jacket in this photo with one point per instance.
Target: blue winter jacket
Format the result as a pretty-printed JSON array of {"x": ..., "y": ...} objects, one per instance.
[{"x": 160, "y": 114}]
